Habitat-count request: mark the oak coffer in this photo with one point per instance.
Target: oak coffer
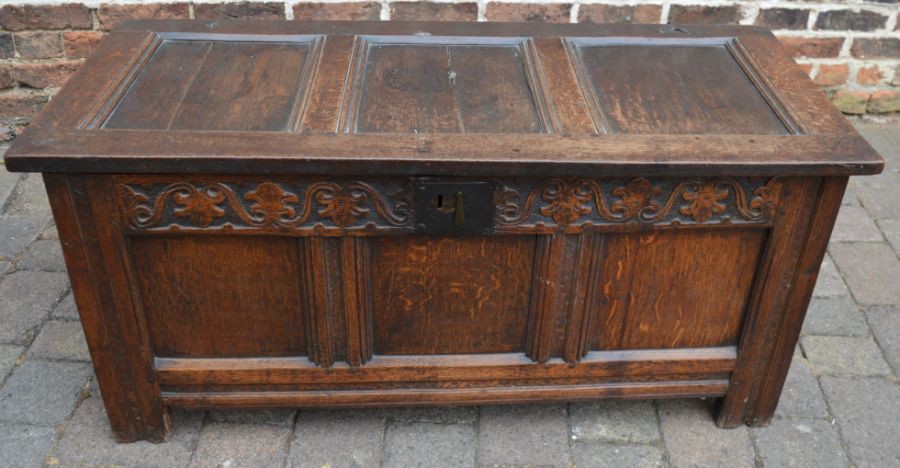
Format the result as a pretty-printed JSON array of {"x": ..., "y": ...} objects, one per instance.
[{"x": 280, "y": 213}]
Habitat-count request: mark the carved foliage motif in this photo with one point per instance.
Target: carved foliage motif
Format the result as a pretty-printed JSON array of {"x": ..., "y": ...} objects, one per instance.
[
  {"x": 267, "y": 205},
  {"x": 569, "y": 202}
]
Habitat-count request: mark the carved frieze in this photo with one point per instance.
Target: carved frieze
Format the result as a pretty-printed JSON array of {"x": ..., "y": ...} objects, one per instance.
[
  {"x": 318, "y": 206},
  {"x": 563, "y": 203}
]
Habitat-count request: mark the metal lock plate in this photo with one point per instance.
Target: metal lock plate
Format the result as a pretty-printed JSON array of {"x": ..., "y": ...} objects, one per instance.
[{"x": 454, "y": 207}]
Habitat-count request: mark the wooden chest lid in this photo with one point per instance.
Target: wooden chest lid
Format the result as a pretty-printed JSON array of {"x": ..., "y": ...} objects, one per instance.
[{"x": 441, "y": 99}]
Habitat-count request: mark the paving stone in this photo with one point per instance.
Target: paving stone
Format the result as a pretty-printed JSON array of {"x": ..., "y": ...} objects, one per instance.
[
  {"x": 801, "y": 396},
  {"x": 867, "y": 412},
  {"x": 42, "y": 392},
  {"x": 8, "y": 356},
  {"x": 523, "y": 435},
  {"x": 850, "y": 198},
  {"x": 885, "y": 323},
  {"x": 50, "y": 233},
  {"x": 274, "y": 417},
  {"x": 16, "y": 232},
  {"x": 692, "y": 438},
  {"x": 5, "y": 266},
  {"x": 360, "y": 432},
  {"x": 871, "y": 270},
  {"x": 808, "y": 443},
  {"x": 434, "y": 414},
  {"x": 839, "y": 355},
  {"x": 607, "y": 455},
  {"x": 836, "y": 316},
  {"x": 25, "y": 445},
  {"x": 29, "y": 198},
  {"x": 614, "y": 420},
  {"x": 891, "y": 230},
  {"x": 8, "y": 182},
  {"x": 66, "y": 309},
  {"x": 429, "y": 445},
  {"x": 43, "y": 255},
  {"x": 879, "y": 194},
  {"x": 60, "y": 340},
  {"x": 829, "y": 282},
  {"x": 234, "y": 445},
  {"x": 88, "y": 441},
  {"x": 26, "y": 298},
  {"x": 854, "y": 224}
]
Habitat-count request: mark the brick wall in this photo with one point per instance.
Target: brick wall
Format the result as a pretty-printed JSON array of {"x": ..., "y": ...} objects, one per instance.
[{"x": 851, "y": 48}]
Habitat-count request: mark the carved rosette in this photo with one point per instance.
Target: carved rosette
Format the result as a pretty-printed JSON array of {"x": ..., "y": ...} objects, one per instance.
[
  {"x": 558, "y": 203},
  {"x": 314, "y": 205}
]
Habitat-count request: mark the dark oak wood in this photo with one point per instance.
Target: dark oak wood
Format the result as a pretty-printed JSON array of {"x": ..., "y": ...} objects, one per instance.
[{"x": 281, "y": 213}]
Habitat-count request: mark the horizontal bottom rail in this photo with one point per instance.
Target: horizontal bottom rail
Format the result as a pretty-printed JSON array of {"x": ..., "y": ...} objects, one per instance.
[{"x": 445, "y": 396}]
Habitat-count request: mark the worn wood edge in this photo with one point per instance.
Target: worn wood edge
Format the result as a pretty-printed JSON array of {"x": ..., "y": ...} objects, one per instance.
[
  {"x": 764, "y": 399},
  {"x": 453, "y": 396},
  {"x": 505, "y": 366},
  {"x": 113, "y": 151}
]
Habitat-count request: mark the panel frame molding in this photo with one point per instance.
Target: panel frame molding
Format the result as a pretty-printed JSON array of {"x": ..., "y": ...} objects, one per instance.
[{"x": 534, "y": 74}]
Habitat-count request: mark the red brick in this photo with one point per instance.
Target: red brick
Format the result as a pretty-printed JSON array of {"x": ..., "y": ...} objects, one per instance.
[
  {"x": 844, "y": 20},
  {"x": 241, "y": 10},
  {"x": 21, "y": 104},
  {"x": 850, "y": 102},
  {"x": 6, "y": 46},
  {"x": 37, "y": 45},
  {"x": 876, "y": 48},
  {"x": 782, "y": 18},
  {"x": 698, "y": 14},
  {"x": 885, "y": 101},
  {"x": 807, "y": 68},
  {"x": 832, "y": 75},
  {"x": 67, "y": 16},
  {"x": 820, "y": 47},
  {"x": 354, "y": 11},
  {"x": 80, "y": 44},
  {"x": 870, "y": 75},
  {"x": 45, "y": 75},
  {"x": 544, "y": 13},
  {"x": 7, "y": 80},
  {"x": 112, "y": 14},
  {"x": 638, "y": 14},
  {"x": 427, "y": 11}
]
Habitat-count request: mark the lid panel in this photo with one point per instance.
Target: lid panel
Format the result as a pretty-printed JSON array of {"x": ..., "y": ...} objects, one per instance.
[
  {"x": 216, "y": 85},
  {"x": 672, "y": 88},
  {"x": 445, "y": 88}
]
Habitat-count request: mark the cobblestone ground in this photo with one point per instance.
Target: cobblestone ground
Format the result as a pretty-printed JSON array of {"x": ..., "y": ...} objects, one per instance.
[{"x": 841, "y": 405}]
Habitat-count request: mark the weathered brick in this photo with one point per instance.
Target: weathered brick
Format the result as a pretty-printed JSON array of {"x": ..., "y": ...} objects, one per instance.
[
  {"x": 884, "y": 101},
  {"x": 815, "y": 47},
  {"x": 843, "y": 20},
  {"x": 639, "y": 14},
  {"x": 782, "y": 18},
  {"x": 701, "y": 14},
  {"x": 7, "y": 78},
  {"x": 870, "y": 75},
  {"x": 850, "y": 102},
  {"x": 354, "y": 11},
  {"x": 39, "y": 45},
  {"x": 832, "y": 75},
  {"x": 544, "y": 13},
  {"x": 25, "y": 17},
  {"x": 421, "y": 11},
  {"x": 240, "y": 10},
  {"x": 21, "y": 103},
  {"x": 80, "y": 44},
  {"x": 45, "y": 75},
  {"x": 807, "y": 68},
  {"x": 111, "y": 14},
  {"x": 885, "y": 47},
  {"x": 6, "y": 46}
]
